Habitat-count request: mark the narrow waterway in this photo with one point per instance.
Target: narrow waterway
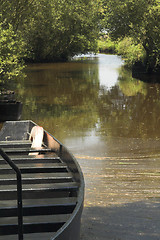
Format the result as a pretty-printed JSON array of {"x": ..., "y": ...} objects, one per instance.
[{"x": 110, "y": 122}]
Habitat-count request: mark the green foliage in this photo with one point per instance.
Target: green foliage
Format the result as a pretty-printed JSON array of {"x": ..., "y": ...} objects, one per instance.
[
  {"x": 53, "y": 29},
  {"x": 107, "y": 45},
  {"x": 16, "y": 12},
  {"x": 11, "y": 50},
  {"x": 150, "y": 35},
  {"x": 130, "y": 51},
  {"x": 121, "y": 16},
  {"x": 138, "y": 19},
  {"x": 62, "y": 29}
]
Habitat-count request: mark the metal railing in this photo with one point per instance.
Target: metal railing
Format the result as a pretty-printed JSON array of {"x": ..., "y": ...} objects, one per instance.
[{"x": 19, "y": 193}]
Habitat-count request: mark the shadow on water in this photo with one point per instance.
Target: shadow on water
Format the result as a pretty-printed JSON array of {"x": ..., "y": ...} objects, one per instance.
[
  {"x": 132, "y": 221},
  {"x": 139, "y": 72}
]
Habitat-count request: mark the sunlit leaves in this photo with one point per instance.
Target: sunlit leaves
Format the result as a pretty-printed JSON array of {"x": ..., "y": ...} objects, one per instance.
[
  {"x": 130, "y": 51},
  {"x": 61, "y": 29},
  {"x": 10, "y": 55},
  {"x": 138, "y": 19},
  {"x": 53, "y": 29}
]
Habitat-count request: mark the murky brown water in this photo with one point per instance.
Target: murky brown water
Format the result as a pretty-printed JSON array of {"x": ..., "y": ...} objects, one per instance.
[{"x": 110, "y": 122}]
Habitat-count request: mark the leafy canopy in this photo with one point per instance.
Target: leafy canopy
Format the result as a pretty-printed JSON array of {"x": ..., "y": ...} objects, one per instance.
[
  {"x": 45, "y": 30},
  {"x": 138, "y": 19},
  {"x": 54, "y": 29},
  {"x": 10, "y": 54}
]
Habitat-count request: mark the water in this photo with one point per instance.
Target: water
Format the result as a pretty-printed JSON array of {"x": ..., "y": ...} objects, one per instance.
[
  {"x": 93, "y": 105},
  {"x": 110, "y": 122}
]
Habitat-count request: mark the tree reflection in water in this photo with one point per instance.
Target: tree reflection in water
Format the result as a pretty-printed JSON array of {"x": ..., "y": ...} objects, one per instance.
[{"x": 74, "y": 98}]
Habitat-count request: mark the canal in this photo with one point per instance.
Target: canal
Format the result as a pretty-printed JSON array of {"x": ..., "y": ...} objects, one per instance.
[{"x": 110, "y": 122}]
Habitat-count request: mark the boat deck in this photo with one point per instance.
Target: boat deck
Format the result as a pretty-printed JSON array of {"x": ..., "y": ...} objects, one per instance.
[{"x": 49, "y": 190}]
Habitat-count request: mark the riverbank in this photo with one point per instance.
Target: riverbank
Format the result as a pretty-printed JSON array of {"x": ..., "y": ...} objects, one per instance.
[
  {"x": 133, "y": 54},
  {"x": 126, "y": 48}
]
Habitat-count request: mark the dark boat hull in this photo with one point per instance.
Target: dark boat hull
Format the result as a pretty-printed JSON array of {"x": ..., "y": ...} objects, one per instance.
[{"x": 10, "y": 110}]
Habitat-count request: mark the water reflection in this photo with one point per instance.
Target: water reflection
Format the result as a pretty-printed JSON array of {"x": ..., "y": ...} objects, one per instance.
[
  {"x": 89, "y": 101},
  {"x": 109, "y": 70}
]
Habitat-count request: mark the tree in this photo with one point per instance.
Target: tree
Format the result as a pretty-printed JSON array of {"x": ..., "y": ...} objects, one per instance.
[
  {"x": 53, "y": 29},
  {"x": 11, "y": 64},
  {"x": 16, "y": 12},
  {"x": 138, "y": 19},
  {"x": 61, "y": 29}
]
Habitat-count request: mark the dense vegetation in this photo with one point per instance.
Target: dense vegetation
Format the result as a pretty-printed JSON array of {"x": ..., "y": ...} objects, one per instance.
[
  {"x": 136, "y": 24},
  {"x": 45, "y": 30},
  {"x": 55, "y": 30}
]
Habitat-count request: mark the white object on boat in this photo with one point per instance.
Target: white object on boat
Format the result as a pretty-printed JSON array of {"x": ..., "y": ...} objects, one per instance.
[{"x": 36, "y": 137}]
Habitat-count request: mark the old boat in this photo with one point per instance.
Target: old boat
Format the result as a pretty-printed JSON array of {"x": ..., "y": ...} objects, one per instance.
[
  {"x": 41, "y": 190},
  {"x": 10, "y": 110}
]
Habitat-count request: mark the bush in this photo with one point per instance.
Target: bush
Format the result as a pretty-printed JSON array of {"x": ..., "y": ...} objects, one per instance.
[
  {"x": 106, "y": 45},
  {"x": 11, "y": 51},
  {"x": 130, "y": 51}
]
